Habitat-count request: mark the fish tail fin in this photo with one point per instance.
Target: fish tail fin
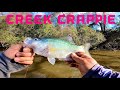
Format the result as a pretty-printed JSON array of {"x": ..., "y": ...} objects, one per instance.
[{"x": 86, "y": 48}]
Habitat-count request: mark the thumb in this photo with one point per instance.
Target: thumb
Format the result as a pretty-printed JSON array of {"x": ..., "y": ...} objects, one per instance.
[
  {"x": 76, "y": 58},
  {"x": 12, "y": 50}
]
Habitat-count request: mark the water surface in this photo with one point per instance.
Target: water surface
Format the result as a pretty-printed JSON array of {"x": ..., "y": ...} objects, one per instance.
[{"x": 43, "y": 69}]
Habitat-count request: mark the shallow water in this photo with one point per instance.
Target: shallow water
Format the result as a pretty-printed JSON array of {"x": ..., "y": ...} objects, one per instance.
[{"x": 43, "y": 69}]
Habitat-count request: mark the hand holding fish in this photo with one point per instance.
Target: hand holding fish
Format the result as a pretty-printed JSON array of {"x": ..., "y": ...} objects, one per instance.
[
  {"x": 83, "y": 62},
  {"x": 24, "y": 57}
]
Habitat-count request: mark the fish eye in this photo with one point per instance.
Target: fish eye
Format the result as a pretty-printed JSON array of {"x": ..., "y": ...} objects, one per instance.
[{"x": 35, "y": 39}]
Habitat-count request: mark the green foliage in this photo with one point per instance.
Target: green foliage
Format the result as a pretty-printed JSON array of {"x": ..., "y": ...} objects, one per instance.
[
  {"x": 3, "y": 23},
  {"x": 8, "y": 38},
  {"x": 88, "y": 35}
]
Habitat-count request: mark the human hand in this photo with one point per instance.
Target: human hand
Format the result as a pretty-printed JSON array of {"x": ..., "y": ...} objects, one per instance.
[
  {"x": 83, "y": 62},
  {"x": 25, "y": 56}
]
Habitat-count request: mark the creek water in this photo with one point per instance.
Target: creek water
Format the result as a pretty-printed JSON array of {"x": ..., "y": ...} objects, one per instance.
[{"x": 41, "y": 68}]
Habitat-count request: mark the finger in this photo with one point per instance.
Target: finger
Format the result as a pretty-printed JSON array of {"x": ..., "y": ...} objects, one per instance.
[
  {"x": 76, "y": 58},
  {"x": 26, "y": 49},
  {"x": 23, "y": 54},
  {"x": 21, "y": 59},
  {"x": 81, "y": 54},
  {"x": 12, "y": 50},
  {"x": 27, "y": 62},
  {"x": 29, "y": 50}
]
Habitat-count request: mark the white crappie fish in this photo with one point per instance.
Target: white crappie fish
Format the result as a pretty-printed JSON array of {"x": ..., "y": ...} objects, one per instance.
[{"x": 53, "y": 48}]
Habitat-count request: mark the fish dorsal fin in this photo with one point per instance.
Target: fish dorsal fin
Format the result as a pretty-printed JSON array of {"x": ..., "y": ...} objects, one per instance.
[
  {"x": 68, "y": 38},
  {"x": 51, "y": 60}
]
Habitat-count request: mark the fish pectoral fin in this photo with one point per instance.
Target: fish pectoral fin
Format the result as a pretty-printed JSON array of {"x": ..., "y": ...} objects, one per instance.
[{"x": 51, "y": 60}]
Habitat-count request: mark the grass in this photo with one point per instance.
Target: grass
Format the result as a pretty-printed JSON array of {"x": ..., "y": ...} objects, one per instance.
[{"x": 43, "y": 69}]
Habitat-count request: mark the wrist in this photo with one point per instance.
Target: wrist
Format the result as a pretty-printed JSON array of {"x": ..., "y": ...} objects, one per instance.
[{"x": 91, "y": 71}]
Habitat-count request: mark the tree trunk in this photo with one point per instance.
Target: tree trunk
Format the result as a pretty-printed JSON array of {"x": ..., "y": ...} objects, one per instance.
[{"x": 102, "y": 25}]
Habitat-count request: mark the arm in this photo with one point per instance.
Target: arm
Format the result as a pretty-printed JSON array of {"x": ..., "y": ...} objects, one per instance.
[
  {"x": 8, "y": 66},
  {"x": 89, "y": 67},
  {"x": 99, "y": 71}
]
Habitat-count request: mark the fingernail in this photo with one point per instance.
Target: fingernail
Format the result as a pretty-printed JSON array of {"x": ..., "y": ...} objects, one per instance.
[{"x": 17, "y": 59}]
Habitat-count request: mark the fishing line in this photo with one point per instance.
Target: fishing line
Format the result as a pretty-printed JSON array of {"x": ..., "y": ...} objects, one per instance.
[{"x": 26, "y": 71}]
